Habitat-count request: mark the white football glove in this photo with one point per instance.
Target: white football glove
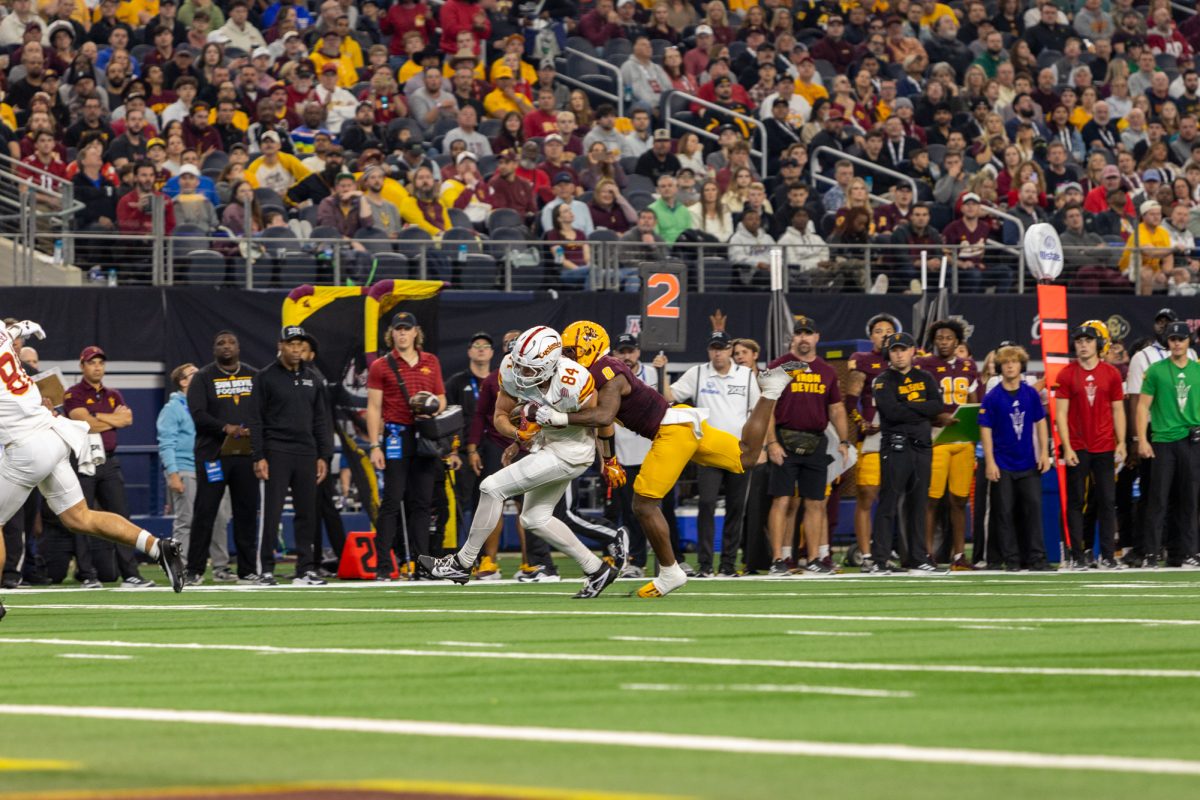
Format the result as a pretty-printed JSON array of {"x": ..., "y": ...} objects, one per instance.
[
  {"x": 26, "y": 329},
  {"x": 547, "y": 416}
]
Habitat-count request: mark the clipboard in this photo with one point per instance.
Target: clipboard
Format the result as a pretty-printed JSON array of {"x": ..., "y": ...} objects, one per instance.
[
  {"x": 49, "y": 383},
  {"x": 235, "y": 447},
  {"x": 967, "y": 429}
]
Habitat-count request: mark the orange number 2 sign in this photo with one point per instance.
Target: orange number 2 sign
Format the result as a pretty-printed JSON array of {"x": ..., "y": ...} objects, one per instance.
[{"x": 666, "y": 305}]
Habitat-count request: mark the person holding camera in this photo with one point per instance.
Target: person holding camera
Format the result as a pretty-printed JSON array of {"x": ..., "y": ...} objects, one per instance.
[
  {"x": 291, "y": 445},
  {"x": 907, "y": 400},
  {"x": 403, "y": 387}
]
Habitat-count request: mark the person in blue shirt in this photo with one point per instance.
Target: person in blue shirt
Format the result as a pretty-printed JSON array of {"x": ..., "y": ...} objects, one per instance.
[
  {"x": 1013, "y": 431},
  {"x": 176, "y": 451},
  {"x": 207, "y": 188}
]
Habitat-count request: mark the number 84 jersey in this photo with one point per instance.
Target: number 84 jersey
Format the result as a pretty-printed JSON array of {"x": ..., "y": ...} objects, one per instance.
[
  {"x": 957, "y": 378},
  {"x": 21, "y": 409},
  {"x": 567, "y": 391}
]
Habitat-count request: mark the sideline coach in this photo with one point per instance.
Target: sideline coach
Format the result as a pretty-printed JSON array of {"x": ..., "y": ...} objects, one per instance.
[{"x": 291, "y": 445}]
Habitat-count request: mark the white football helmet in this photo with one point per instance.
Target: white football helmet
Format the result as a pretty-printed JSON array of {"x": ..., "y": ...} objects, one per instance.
[{"x": 535, "y": 356}]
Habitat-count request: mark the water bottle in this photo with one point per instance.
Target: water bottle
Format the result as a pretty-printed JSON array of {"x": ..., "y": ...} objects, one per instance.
[
  {"x": 462, "y": 253},
  {"x": 628, "y": 96},
  {"x": 112, "y": 276},
  {"x": 58, "y": 252},
  {"x": 558, "y": 254}
]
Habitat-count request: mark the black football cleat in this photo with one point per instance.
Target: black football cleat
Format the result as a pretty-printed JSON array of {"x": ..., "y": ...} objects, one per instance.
[
  {"x": 170, "y": 558},
  {"x": 597, "y": 582},
  {"x": 445, "y": 568},
  {"x": 2, "y": 611}
]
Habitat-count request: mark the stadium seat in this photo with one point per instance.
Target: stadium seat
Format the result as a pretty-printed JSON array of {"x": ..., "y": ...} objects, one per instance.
[
  {"x": 1048, "y": 58},
  {"x": 294, "y": 267},
  {"x": 639, "y": 200},
  {"x": 937, "y": 153},
  {"x": 268, "y": 197},
  {"x": 413, "y": 242},
  {"x": 940, "y": 215},
  {"x": 581, "y": 44},
  {"x": 477, "y": 271},
  {"x": 826, "y": 70},
  {"x": 404, "y": 123},
  {"x": 618, "y": 47},
  {"x": 459, "y": 218},
  {"x": 392, "y": 266},
  {"x": 215, "y": 160},
  {"x": 460, "y": 241},
  {"x": 629, "y": 164},
  {"x": 375, "y": 240},
  {"x": 489, "y": 127},
  {"x": 505, "y": 218},
  {"x": 639, "y": 183},
  {"x": 202, "y": 267}
]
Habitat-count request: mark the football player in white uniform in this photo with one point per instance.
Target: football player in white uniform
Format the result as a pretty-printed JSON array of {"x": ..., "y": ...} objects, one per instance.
[
  {"x": 37, "y": 447},
  {"x": 535, "y": 374}
]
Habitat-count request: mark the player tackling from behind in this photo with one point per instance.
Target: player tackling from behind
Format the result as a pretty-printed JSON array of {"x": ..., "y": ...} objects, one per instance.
[
  {"x": 533, "y": 375},
  {"x": 678, "y": 435},
  {"x": 38, "y": 445}
]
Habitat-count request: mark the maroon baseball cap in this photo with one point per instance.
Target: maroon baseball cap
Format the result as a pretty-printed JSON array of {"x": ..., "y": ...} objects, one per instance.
[{"x": 90, "y": 352}]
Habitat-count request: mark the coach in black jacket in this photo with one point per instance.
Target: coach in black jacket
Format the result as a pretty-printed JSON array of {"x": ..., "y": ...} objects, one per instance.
[
  {"x": 292, "y": 444},
  {"x": 219, "y": 399}
]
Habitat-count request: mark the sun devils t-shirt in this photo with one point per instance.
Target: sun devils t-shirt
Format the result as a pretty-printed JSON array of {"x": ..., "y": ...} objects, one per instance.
[
  {"x": 1091, "y": 394},
  {"x": 1012, "y": 417}
]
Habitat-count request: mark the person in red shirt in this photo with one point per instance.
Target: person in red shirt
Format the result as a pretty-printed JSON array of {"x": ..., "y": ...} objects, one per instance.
[
  {"x": 463, "y": 15},
  {"x": 405, "y": 16},
  {"x": 1090, "y": 420},
  {"x": 797, "y": 449},
  {"x": 135, "y": 216},
  {"x": 543, "y": 120},
  {"x": 408, "y": 477},
  {"x": 45, "y": 168}
]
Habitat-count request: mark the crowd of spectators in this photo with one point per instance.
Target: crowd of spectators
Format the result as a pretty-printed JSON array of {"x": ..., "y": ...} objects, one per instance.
[{"x": 373, "y": 119}]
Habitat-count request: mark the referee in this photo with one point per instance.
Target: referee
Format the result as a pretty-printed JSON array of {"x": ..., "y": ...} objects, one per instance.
[
  {"x": 908, "y": 401},
  {"x": 291, "y": 445}
]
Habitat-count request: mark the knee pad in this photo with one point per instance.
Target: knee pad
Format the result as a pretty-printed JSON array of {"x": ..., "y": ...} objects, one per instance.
[
  {"x": 533, "y": 519},
  {"x": 489, "y": 487}
]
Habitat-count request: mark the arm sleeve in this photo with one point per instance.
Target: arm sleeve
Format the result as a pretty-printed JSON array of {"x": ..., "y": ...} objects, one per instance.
[{"x": 199, "y": 399}]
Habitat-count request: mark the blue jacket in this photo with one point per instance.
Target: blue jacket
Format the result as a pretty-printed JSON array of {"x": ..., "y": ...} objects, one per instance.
[{"x": 176, "y": 435}]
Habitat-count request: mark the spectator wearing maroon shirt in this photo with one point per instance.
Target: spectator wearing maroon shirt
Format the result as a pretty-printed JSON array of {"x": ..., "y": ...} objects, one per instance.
[
  {"x": 833, "y": 48},
  {"x": 1091, "y": 423},
  {"x": 406, "y": 16},
  {"x": 971, "y": 233},
  {"x": 463, "y": 15},
  {"x": 798, "y": 450},
  {"x": 509, "y": 190},
  {"x": 408, "y": 477},
  {"x": 44, "y": 160},
  {"x": 198, "y": 135},
  {"x": 600, "y": 24}
]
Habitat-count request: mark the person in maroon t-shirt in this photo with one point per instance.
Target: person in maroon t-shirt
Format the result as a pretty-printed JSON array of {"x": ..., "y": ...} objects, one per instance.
[
  {"x": 797, "y": 448},
  {"x": 408, "y": 477},
  {"x": 105, "y": 412},
  {"x": 44, "y": 160},
  {"x": 1090, "y": 419}
]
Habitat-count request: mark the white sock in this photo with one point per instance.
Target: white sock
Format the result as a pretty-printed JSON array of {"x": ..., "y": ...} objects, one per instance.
[
  {"x": 148, "y": 544},
  {"x": 487, "y": 514},
  {"x": 956, "y": 557},
  {"x": 562, "y": 538},
  {"x": 670, "y": 578},
  {"x": 786, "y": 553},
  {"x": 822, "y": 550}
]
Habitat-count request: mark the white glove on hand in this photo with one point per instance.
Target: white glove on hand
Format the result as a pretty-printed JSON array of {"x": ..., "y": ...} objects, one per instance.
[
  {"x": 26, "y": 329},
  {"x": 547, "y": 416}
]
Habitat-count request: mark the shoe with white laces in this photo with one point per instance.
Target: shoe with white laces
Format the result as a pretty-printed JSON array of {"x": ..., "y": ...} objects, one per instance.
[
  {"x": 309, "y": 578},
  {"x": 597, "y": 582},
  {"x": 137, "y": 582},
  {"x": 616, "y": 552},
  {"x": 445, "y": 568}
]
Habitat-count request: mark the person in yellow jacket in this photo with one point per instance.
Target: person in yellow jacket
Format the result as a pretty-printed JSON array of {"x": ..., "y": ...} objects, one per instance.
[
  {"x": 514, "y": 50},
  {"x": 423, "y": 207},
  {"x": 350, "y": 48},
  {"x": 274, "y": 169},
  {"x": 329, "y": 51},
  {"x": 136, "y": 13}
]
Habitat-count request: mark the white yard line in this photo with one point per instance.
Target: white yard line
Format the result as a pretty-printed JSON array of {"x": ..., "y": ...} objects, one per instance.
[
  {"x": 96, "y": 656},
  {"x": 613, "y": 658},
  {"x": 665, "y": 639},
  {"x": 829, "y": 633},
  {"x": 658, "y": 614},
  {"x": 643, "y": 739},
  {"x": 765, "y": 688},
  {"x": 468, "y": 644},
  {"x": 997, "y": 628}
]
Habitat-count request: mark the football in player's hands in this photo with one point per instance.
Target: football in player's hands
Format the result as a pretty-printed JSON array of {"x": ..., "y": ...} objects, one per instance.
[{"x": 424, "y": 404}]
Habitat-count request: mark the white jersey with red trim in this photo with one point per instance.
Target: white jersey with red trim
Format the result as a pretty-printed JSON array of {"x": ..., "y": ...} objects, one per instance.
[
  {"x": 21, "y": 411},
  {"x": 567, "y": 392}
]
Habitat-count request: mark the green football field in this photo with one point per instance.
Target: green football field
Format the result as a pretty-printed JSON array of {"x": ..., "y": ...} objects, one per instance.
[{"x": 986, "y": 685}]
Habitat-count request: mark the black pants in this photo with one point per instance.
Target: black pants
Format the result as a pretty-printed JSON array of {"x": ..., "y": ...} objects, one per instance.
[
  {"x": 622, "y": 510},
  {"x": 711, "y": 482},
  {"x": 1098, "y": 466},
  {"x": 757, "y": 555},
  {"x": 1176, "y": 468},
  {"x": 408, "y": 485},
  {"x": 1021, "y": 543},
  {"x": 983, "y": 543},
  {"x": 238, "y": 475},
  {"x": 1127, "y": 509},
  {"x": 298, "y": 473},
  {"x": 106, "y": 491},
  {"x": 18, "y": 532},
  {"x": 903, "y": 474},
  {"x": 327, "y": 513}
]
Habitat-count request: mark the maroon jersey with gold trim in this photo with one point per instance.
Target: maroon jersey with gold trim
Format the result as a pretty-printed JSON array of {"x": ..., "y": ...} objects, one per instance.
[
  {"x": 643, "y": 409},
  {"x": 956, "y": 378},
  {"x": 871, "y": 364}
]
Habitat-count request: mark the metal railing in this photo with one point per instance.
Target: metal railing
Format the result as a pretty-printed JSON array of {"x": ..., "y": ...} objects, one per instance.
[
  {"x": 619, "y": 99},
  {"x": 283, "y": 260},
  {"x": 32, "y": 202},
  {"x": 752, "y": 124}
]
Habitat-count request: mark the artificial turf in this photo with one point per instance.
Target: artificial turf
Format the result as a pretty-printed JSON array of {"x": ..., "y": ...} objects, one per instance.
[{"x": 1132, "y": 716}]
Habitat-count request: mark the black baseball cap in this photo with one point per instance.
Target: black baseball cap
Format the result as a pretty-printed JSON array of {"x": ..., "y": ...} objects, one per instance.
[
  {"x": 626, "y": 341},
  {"x": 904, "y": 340},
  {"x": 1179, "y": 330},
  {"x": 404, "y": 319},
  {"x": 293, "y": 332},
  {"x": 804, "y": 323},
  {"x": 720, "y": 340},
  {"x": 487, "y": 337},
  {"x": 1084, "y": 332},
  {"x": 1168, "y": 313}
]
